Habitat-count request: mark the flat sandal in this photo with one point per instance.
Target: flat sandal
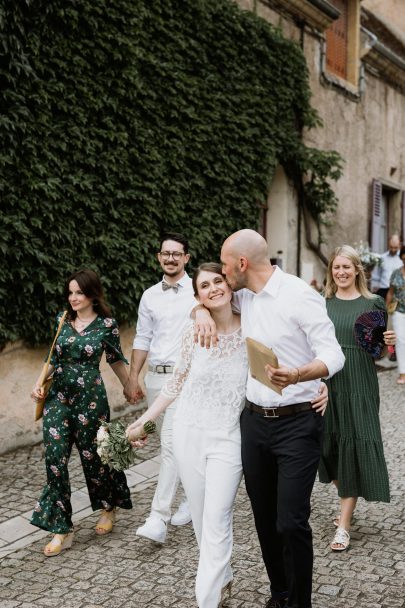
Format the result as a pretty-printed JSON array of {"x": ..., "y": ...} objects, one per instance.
[{"x": 342, "y": 538}]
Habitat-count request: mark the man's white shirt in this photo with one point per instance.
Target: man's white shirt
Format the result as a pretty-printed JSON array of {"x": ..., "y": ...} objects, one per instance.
[
  {"x": 162, "y": 318},
  {"x": 290, "y": 317},
  {"x": 380, "y": 278}
]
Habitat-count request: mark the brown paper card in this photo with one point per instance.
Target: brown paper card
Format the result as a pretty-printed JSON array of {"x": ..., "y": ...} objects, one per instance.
[{"x": 259, "y": 356}]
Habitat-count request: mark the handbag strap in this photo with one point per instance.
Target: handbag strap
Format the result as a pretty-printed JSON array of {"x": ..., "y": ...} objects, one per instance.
[{"x": 45, "y": 369}]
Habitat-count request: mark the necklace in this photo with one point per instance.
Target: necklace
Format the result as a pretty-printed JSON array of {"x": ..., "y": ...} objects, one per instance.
[{"x": 80, "y": 325}]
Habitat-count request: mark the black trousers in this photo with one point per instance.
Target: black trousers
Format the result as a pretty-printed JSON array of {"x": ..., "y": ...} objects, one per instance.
[
  {"x": 280, "y": 459},
  {"x": 383, "y": 292}
]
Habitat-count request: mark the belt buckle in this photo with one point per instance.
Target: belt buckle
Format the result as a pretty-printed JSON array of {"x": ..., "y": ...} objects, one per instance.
[{"x": 273, "y": 412}]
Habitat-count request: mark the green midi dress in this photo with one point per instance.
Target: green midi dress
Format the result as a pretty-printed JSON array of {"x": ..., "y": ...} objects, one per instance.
[
  {"x": 352, "y": 449},
  {"x": 73, "y": 409}
]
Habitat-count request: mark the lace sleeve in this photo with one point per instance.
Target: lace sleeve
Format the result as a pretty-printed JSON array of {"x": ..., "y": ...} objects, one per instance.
[{"x": 173, "y": 386}]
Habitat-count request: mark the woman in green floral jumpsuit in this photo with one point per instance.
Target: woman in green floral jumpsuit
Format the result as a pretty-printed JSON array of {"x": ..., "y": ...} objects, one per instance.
[{"x": 76, "y": 404}]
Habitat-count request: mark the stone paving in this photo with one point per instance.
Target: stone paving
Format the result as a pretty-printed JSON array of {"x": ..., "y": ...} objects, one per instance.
[{"x": 121, "y": 570}]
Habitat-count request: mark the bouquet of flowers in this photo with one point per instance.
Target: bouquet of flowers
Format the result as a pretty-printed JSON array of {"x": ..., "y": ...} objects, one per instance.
[
  {"x": 113, "y": 446},
  {"x": 369, "y": 259}
]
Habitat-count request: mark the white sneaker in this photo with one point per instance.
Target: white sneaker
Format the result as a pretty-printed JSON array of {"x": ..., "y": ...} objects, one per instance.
[
  {"x": 154, "y": 529},
  {"x": 182, "y": 515}
]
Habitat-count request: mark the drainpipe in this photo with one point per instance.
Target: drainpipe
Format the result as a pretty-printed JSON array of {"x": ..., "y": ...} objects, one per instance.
[{"x": 299, "y": 210}]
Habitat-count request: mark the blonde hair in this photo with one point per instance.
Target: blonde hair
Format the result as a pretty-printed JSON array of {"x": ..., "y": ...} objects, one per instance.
[{"x": 361, "y": 282}]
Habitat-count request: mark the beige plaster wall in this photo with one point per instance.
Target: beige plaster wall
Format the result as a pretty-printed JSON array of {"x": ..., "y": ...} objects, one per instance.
[
  {"x": 19, "y": 369},
  {"x": 369, "y": 134},
  {"x": 391, "y": 10}
]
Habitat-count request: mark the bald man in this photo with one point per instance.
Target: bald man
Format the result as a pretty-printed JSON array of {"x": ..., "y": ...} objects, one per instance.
[
  {"x": 281, "y": 434},
  {"x": 390, "y": 261}
]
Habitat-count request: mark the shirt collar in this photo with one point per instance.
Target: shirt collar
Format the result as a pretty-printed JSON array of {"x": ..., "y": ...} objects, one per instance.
[
  {"x": 273, "y": 284},
  {"x": 185, "y": 280}
]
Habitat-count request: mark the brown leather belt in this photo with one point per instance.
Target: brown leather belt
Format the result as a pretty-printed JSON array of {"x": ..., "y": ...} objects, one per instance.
[{"x": 277, "y": 412}]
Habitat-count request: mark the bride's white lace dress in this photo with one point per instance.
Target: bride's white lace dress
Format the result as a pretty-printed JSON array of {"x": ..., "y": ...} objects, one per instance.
[{"x": 210, "y": 383}]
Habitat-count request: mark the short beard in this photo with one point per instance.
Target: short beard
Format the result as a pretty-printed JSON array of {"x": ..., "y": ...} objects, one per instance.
[
  {"x": 239, "y": 282},
  {"x": 172, "y": 273}
]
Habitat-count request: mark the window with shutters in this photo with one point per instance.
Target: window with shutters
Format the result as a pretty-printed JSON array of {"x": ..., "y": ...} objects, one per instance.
[
  {"x": 343, "y": 42},
  {"x": 336, "y": 42},
  {"x": 387, "y": 214}
]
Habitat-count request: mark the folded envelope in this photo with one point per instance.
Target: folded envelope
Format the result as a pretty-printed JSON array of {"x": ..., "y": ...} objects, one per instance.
[{"x": 259, "y": 356}]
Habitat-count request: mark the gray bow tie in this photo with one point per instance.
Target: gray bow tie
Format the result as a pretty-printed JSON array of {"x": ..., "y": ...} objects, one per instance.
[{"x": 166, "y": 286}]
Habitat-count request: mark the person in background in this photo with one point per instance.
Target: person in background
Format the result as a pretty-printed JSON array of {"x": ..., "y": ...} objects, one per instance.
[
  {"x": 352, "y": 451},
  {"x": 76, "y": 403},
  {"x": 380, "y": 278},
  {"x": 163, "y": 313},
  {"x": 397, "y": 291}
]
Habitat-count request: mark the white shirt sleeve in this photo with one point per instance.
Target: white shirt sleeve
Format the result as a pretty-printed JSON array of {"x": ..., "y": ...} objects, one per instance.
[
  {"x": 144, "y": 327},
  {"x": 376, "y": 277},
  {"x": 319, "y": 330}
]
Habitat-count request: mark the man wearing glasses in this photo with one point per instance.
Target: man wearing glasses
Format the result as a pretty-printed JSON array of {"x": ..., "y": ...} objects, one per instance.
[{"x": 164, "y": 311}]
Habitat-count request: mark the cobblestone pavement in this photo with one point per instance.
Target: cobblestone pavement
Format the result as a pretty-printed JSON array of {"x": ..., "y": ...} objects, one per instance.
[{"x": 122, "y": 570}]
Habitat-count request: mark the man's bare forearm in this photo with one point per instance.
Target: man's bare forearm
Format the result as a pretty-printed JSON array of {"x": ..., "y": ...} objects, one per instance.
[{"x": 138, "y": 358}]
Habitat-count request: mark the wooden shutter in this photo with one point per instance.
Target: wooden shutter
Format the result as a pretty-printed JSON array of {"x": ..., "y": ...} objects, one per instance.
[
  {"x": 336, "y": 41},
  {"x": 376, "y": 215}
]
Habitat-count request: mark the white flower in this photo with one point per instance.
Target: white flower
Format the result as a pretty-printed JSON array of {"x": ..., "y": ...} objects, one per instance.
[
  {"x": 367, "y": 257},
  {"x": 108, "y": 322},
  {"x": 102, "y": 434}
]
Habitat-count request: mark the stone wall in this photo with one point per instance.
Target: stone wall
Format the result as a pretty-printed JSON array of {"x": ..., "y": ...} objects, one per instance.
[
  {"x": 369, "y": 133},
  {"x": 19, "y": 369}
]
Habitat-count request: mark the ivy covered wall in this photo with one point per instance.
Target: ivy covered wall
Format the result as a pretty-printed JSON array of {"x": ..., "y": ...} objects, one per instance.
[{"x": 119, "y": 120}]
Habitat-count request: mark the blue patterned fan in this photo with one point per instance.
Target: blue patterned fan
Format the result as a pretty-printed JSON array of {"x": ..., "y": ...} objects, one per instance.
[{"x": 368, "y": 331}]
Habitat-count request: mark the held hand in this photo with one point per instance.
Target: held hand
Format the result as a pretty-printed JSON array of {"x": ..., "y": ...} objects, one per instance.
[
  {"x": 205, "y": 330},
  {"x": 135, "y": 433},
  {"x": 132, "y": 391},
  {"x": 37, "y": 392},
  {"x": 390, "y": 337},
  {"x": 321, "y": 401},
  {"x": 282, "y": 376}
]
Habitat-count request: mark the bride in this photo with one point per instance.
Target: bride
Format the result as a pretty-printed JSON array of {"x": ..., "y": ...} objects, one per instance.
[{"x": 209, "y": 385}]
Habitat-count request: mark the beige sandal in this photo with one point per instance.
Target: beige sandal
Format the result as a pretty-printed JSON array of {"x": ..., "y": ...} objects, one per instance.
[
  {"x": 341, "y": 540},
  {"x": 105, "y": 522},
  {"x": 59, "y": 543}
]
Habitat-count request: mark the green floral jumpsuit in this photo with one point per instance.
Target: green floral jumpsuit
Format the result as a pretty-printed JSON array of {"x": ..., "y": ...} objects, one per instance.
[{"x": 73, "y": 409}]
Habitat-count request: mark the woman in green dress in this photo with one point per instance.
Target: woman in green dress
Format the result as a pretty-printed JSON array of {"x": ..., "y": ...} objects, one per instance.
[
  {"x": 73, "y": 409},
  {"x": 352, "y": 454}
]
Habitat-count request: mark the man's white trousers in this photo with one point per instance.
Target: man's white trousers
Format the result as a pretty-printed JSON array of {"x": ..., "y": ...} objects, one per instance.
[
  {"x": 168, "y": 475},
  {"x": 398, "y": 324}
]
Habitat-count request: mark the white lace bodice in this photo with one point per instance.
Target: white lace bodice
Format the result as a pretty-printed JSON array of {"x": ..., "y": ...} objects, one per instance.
[{"x": 210, "y": 384}]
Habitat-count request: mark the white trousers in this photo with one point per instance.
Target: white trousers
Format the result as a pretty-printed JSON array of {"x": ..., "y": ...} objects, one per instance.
[
  {"x": 210, "y": 468},
  {"x": 168, "y": 478},
  {"x": 398, "y": 324}
]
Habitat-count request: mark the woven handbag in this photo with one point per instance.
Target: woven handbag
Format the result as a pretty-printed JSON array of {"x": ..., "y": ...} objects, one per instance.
[
  {"x": 45, "y": 380},
  {"x": 392, "y": 306}
]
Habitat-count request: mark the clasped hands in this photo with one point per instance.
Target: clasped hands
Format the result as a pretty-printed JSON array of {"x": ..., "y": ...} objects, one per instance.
[{"x": 132, "y": 391}]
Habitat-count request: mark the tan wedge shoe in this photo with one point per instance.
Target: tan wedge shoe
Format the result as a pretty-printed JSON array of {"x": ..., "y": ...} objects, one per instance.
[
  {"x": 59, "y": 543},
  {"x": 105, "y": 522}
]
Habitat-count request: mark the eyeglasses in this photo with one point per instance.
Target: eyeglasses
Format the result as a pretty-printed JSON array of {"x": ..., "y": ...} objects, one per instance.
[{"x": 176, "y": 255}]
